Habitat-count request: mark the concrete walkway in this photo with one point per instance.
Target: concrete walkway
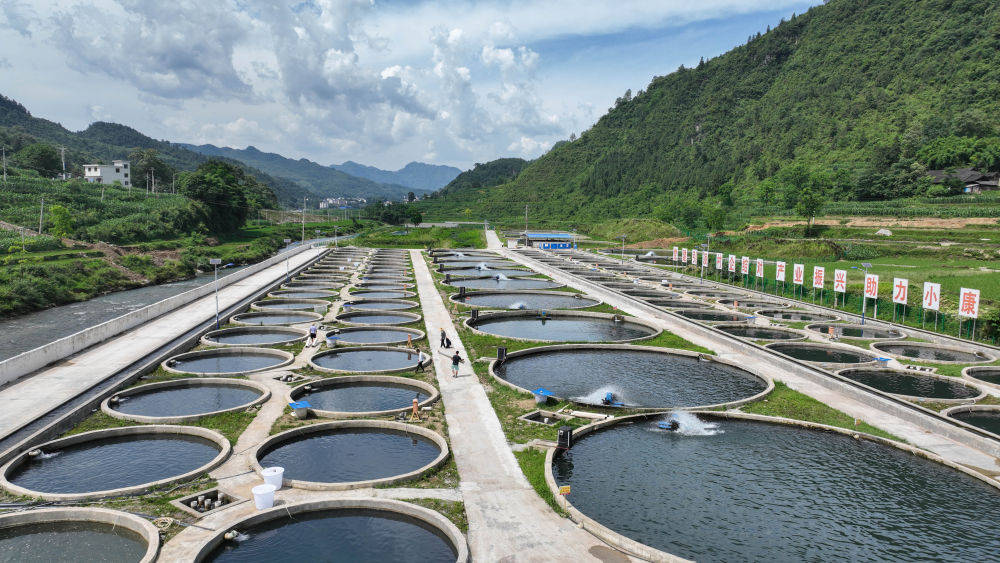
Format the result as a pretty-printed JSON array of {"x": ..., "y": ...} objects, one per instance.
[
  {"x": 39, "y": 393},
  {"x": 868, "y": 411},
  {"x": 508, "y": 521}
]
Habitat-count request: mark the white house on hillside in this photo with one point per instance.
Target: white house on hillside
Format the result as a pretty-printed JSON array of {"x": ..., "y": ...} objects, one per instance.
[{"x": 117, "y": 171}]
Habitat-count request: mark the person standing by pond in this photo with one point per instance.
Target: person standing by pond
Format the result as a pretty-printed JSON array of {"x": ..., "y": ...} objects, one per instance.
[
  {"x": 422, "y": 361},
  {"x": 455, "y": 361},
  {"x": 313, "y": 330},
  {"x": 444, "y": 339}
]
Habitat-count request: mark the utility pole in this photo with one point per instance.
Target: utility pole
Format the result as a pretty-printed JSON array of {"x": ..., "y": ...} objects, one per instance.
[
  {"x": 62, "y": 151},
  {"x": 215, "y": 262},
  {"x": 173, "y": 184},
  {"x": 304, "y": 220},
  {"x": 4, "y": 150},
  {"x": 41, "y": 215},
  {"x": 526, "y": 222}
]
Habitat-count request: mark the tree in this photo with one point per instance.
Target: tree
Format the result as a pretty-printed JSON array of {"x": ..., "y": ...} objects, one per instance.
[
  {"x": 62, "y": 221},
  {"x": 145, "y": 161},
  {"x": 411, "y": 197},
  {"x": 220, "y": 189},
  {"x": 40, "y": 157},
  {"x": 809, "y": 204},
  {"x": 716, "y": 218}
]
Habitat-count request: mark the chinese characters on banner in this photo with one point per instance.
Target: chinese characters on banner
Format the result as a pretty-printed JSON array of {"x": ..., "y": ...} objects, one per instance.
[
  {"x": 732, "y": 262},
  {"x": 760, "y": 268},
  {"x": 694, "y": 257},
  {"x": 684, "y": 256},
  {"x": 840, "y": 281},
  {"x": 798, "y": 274},
  {"x": 718, "y": 261},
  {"x": 968, "y": 303},
  {"x": 871, "y": 286},
  {"x": 704, "y": 259},
  {"x": 745, "y": 265},
  {"x": 932, "y": 296},
  {"x": 818, "y": 274},
  {"x": 676, "y": 251},
  {"x": 779, "y": 271},
  {"x": 900, "y": 289}
]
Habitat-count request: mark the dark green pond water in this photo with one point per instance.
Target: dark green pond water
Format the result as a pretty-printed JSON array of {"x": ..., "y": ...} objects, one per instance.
[
  {"x": 512, "y": 283},
  {"x": 355, "y": 454},
  {"x": 344, "y": 535},
  {"x": 526, "y": 301},
  {"x": 564, "y": 329},
  {"x": 209, "y": 363},
  {"x": 280, "y": 304},
  {"x": 70, "y": 542},
  {"x": 256, "y": 336},
  {"x": 112, "y": 463},
  {"x": 276, "y": 318},
  {"x": 989, "y": 375},
  {"x": 914, "y": 385},
  {"x": 366, "y": 360},
  {"x": 378, "y": 305},
  {"x": 636, "y": 377},
  {"x": 856, "y": 331},
  {"x": 929, "y": 353},
  {"x": 822, "y": 354},
  {"x": 713, "y": 316},
  {"x": 376, "y": 318},
  {"x": 987, "y": 420},
  {"x": 766, "y": 492},
  {"x": 183, "y": 401},
  {"x": 381, "y": 294},
  {"x": 375, "y": 336},
  {"x": 363, "y": 397},
  {"x": 796, "y": 316},
  {"x": 760, "y": 333}
]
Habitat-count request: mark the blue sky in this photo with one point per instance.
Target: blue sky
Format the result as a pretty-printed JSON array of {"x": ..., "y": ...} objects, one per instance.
[{"x": 381, "y": 83}]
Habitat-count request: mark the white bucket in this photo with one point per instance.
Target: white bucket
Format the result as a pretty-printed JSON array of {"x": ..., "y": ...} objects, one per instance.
[
  {"x": 273, "y": 476},
  {"x": 263, "y": 496}
]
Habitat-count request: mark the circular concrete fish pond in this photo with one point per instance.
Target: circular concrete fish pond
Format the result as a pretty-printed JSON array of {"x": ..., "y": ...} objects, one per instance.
[
  {"x": 710, "y": 294},
  {"x": 350, "y": 454},
  {"x": 309, "y": 286},
  {"x": 184, "y": 400},
  {"x": 379, "y": 305},
  {"x": 913, "y": 385},
  {"x": 729, "y": 489},
  {"x": 364, "y": 335},
  {"x": 930, "y": 352},
  {"x": 796, "y": 316},
  {"x": 509, "y": 272},
  {"x": 302, "y": 294},
  {"x": 712, "y": 315},
  {"x": 677, "y": 303},
  {"x": 381, "y": 294},
  {"x": 750, "y": 303},
  {"x": 638, "y": 377},
  {"x": 377, "y": 318},
  {"x": 562, "y": 327},
  {"x": 363, "y": 395},
  {"x": 253, "y": 336},
  {"x": 290, "y": 305},
  {"x": 525, "y": 300},
  {"x": 77, "y": 534},
  {"x": 261, "y": 318},
  {"x": 988, "y": 375},
  {"x": 822, "y": 353},
  {"x": 867, "y": 332},
  {"x": 227, "y": 361},
  {"x": 366, "y": 529},
  {"x": 761, "y": 332},
  {"x": 985, "y": 417},
  {"x": 383, "y": 286},
  {"x": 116, "y": 461},
  {"x": 365, "y": 359},
  {"x": 503, "y": 284}
]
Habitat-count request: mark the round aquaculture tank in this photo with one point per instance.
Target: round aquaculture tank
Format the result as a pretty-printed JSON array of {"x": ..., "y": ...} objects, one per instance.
[
  {"x": 912, "y": 385},
  {"x": 386, "y": 278},
  {"x": 983, "y": 375},
  {"x": 564, "y": 326},
  {"x": 545, "y": 300},
  {"x": 379, "y": 305},
  {"x": 352, "y": 454},
  {"x": 984, "y": 417},
  {"x": 621, "y": 286},
  {"x": 866, "y": 332},
  {"x": 475, "y": 272},
  {"x": 381, "y": 294},
  {"x": 368, "y": 335},
  {"x": 750, "y": 303},
  {"x": 796, "y": 316},
  {"x": 311, "y": 286},
  {"x": 382, "y": 286},
  {"x": 77, "y": 534},
  {"x": 349, "y": 529},
  {"x": 676, "y": 303},
  {"x": 277, "y": 318},
  {"x": 302, "y": 294},
  {"x": 931, "y": 352},
  {"x": 712, "y": 294},
  {"x": 113, "y": 462},
  {"x": 228, "y": 361},
  {"x": 752, "y": 332},
  {"x": 707, "y": 491},
  {"x": 821, "y": 353},
  {"x": 643, "y": 377},
  {"x": 364, "y": 318},
  {"x": 502, "y": 283},
  {"x": 290, "y": 305},
  {"x": 364, "y": 395},
  {"x": 711, "y": 315},
  {"x": 184, "y": 400},
  {"x": 366, "y": 359},
  {"x": 254, "y": 336},
  {"x": 320, "y": 276},
  {"x": 648, "y": 293}
]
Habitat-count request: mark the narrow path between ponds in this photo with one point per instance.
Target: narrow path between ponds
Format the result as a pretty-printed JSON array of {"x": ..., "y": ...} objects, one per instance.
[{"x": 508, "y": 521}]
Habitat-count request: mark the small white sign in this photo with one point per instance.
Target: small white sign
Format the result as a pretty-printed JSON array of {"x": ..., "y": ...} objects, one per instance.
[
  {"x": 798, "y": 274},
  {"x": 871, "y": 286},
  {"x": 932, "y": 296},
  {"x": 968, "y": 303},
  {"x": 900, "y": 290},
  {"x": 745, "y": 265},
  {"x": 760, "y": 268},
  {"x": 819, "y": 273},
  {"x": 779, "y": 271},
  {"x": 840, "y": 281}
]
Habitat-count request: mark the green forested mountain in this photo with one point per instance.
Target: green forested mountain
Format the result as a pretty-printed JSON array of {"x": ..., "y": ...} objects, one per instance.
[
  {"x": 418, "y": 175},
  {"x": 493, "y": 173},
  {"x": 320, "y": 180},
  {"x": 852, "y": 100}
]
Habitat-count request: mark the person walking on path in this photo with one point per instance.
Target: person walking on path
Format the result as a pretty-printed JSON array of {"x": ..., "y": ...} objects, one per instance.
[
  {"x": 455, "y": 360},
  {"x": 444, "y": 339},
  {"x": 312, "y": 334},
  {"x": 422, "y": 360}
]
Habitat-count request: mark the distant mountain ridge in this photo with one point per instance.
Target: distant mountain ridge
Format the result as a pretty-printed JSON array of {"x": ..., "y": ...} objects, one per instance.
[
  {"x": 318, "y": 179},
  {"x": 416, "y": 175}
]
